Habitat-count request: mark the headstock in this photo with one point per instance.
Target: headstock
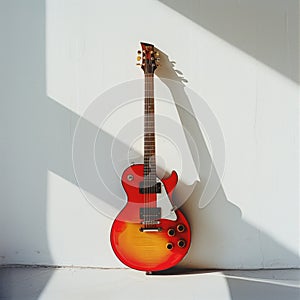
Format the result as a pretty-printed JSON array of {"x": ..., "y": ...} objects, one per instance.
[{"x": 148, "y": 58}]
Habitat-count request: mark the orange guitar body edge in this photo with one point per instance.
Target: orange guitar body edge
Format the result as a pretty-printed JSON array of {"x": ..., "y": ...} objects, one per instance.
[{"x": 147, "y": 250}]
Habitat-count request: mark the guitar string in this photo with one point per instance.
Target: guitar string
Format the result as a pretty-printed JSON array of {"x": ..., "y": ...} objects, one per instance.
[
  {"x": 153, "y": 173},
  {"x": 145, "y": 135},
  {"x": 146, "y": 163},
  {"x": 152, "y": 138},
  {"x": 151, "y": 114},
  {"x": 148, "y": 151},
  {"x": 154, "y": 143}
]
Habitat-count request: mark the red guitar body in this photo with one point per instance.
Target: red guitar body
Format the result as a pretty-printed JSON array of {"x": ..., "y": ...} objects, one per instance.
[{"x": 143, "y": 247}]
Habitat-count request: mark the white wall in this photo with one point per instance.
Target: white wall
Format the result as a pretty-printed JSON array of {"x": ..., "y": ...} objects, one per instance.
[{"x": 240, "y": 58}]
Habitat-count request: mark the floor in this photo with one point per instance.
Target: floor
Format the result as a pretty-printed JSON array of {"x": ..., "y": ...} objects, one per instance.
[{"x": 30, "y": 282}]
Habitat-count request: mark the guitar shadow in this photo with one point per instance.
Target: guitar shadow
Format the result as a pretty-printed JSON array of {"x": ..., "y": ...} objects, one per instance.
[{"x": 220, "y": 237}]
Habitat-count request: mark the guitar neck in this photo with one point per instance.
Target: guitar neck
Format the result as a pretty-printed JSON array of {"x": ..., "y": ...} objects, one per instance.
[{"x": 149, "y": 130}]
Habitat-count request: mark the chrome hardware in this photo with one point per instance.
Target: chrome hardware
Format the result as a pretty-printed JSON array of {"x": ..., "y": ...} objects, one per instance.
[{"x": 150, "y": 229}]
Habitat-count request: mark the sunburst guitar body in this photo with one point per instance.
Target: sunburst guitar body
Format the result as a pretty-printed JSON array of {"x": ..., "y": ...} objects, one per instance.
[
  {"x": 156, "y": 246},
  {"x": 150, "y": 233}
]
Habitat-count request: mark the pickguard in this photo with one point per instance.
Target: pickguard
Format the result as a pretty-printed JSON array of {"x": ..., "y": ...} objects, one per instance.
[{"x": 163, "y": 201}]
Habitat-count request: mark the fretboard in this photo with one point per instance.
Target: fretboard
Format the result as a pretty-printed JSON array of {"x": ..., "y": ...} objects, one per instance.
[{"x": 149, "y": 132}]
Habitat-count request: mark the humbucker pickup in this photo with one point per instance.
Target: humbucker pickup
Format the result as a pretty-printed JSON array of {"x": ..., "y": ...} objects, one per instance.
[
  {"x": 150, "y": 213},
  {"x": 154, "y": 189}
]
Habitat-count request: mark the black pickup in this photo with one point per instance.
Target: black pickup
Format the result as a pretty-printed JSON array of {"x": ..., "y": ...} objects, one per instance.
[{"x": 153, "y": 189}]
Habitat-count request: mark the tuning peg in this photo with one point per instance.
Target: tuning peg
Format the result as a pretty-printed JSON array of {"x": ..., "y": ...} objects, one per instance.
[
  {"x": 138, "y": 58},
  {"x": 139, "y": 52},
  {"x": 156, "y": 53},
  {"x": 157, "y": 59}
]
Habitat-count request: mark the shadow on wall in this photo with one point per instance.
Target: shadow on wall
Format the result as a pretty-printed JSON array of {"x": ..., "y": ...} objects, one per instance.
[
  {"x": 38, "y": 138},
  {"x": 28, "y": 142},
  {"x": 267, "y": 30},
  {"x": 217, "y": 229}
]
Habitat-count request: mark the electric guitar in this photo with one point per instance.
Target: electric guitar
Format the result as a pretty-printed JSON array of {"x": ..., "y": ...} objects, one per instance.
[{"x": 149, "y": 234}]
